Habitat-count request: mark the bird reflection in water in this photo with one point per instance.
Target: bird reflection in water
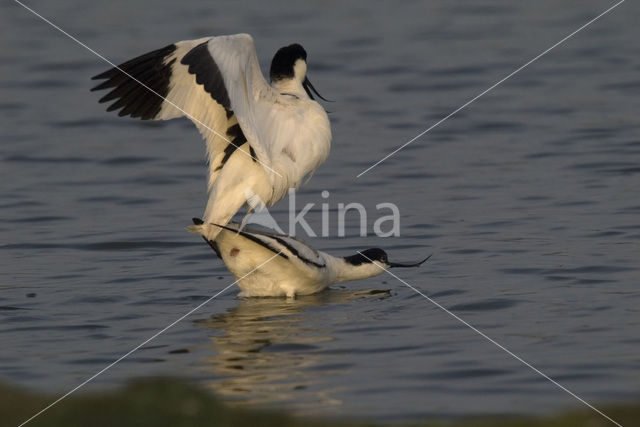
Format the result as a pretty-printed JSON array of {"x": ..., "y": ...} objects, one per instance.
[{"x": 268, "y": 351}]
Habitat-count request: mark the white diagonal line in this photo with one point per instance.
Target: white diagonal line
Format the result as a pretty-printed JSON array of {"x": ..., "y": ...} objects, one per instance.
[
  {"x": 141, "y": 344},
  {"x": 139, "y": 82},
  {"x": 491, "y": 340},
  {"x": 490, "y": 88}
]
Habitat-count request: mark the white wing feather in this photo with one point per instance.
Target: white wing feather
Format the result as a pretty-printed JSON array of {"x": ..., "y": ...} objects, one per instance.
[
  {"x": 269, "y": 120},
  {"x": 188, "y": 98}
]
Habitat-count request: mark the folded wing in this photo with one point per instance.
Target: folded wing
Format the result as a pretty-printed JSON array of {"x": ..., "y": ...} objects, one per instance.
[{"x": 290, "y": 245}]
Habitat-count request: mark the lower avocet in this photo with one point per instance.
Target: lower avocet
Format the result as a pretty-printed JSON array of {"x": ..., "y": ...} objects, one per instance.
[{"x": 296, "y": 268}]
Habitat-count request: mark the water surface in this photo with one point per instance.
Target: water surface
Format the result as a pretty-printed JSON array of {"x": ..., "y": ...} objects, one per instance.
[{"x": 528, "y": 199}]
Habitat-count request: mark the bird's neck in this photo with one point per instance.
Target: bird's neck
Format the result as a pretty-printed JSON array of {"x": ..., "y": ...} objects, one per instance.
[
  {"x": 291, "y": 86},
  {"x": 344, "y": 271}
]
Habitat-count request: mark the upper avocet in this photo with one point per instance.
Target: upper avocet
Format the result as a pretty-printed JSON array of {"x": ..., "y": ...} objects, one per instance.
[
  {"x": 296, "y": 268},
  {"x": 261, "y": 139}
]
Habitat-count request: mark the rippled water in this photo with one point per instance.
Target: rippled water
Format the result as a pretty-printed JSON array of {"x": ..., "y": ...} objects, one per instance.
[{"x": 528, "y": 198}]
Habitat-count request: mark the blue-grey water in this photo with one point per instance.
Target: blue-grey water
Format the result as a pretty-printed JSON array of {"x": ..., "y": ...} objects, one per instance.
[{"x": 529, "y": 199}]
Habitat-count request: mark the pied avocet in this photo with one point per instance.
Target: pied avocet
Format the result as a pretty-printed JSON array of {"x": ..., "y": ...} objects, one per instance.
[
  {"x": 298, "y": 269},
  {"x": 261, "y": 140}
]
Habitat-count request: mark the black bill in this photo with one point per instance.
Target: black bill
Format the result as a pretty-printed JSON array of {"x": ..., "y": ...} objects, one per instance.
[
  {"x": 308, "y": 87},
  {"x": 417, "y": 264}
]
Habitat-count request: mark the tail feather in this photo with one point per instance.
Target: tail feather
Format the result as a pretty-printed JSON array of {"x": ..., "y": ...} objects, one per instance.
[
  {"x": 197, "y": 229},
  {"x": 207, "y": 230}
]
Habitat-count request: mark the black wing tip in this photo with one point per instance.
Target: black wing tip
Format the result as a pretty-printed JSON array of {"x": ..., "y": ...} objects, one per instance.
[
  {"x": 102, "y": 76},
  {"x": 151, "y": 71},
  {"x": 103, "y": 85},
  {"x": 224, "y": 227},
  {"x": 199, "y": 221}
]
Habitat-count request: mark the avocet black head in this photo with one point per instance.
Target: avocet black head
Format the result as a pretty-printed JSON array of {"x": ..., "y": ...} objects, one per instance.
[
  {"x": 368, "y": 263},
  {"x": 290, "y": 62}
]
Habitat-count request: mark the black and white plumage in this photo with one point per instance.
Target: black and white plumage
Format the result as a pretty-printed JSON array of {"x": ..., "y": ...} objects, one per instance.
[
  {"x": 261, "y": 139},
  {"x": 296, "y": 267}
]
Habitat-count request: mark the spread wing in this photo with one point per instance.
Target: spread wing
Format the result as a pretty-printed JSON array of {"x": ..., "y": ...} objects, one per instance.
[
  {"x": 178, "y": 80},
  {"x": 216, "y": 82}
]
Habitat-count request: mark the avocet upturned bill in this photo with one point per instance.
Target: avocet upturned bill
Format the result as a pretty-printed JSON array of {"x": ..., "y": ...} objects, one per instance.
[
  {"x": 298, "y": 269},
  {"x": 261, "y": 140}
]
